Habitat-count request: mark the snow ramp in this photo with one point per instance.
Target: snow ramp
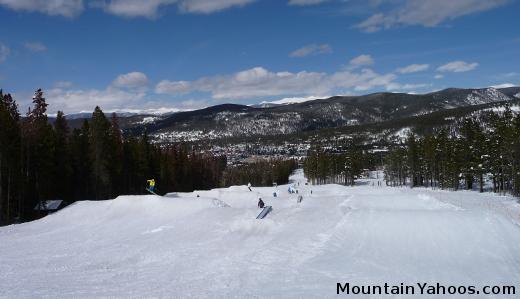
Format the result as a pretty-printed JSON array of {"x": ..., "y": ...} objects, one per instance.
[
  {"x": 264, "y": 212},
  {"x": 213, "y": 247}
]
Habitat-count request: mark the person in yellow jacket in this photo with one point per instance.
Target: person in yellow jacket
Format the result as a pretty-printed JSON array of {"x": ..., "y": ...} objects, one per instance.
[{"x": 151, "y": 184}]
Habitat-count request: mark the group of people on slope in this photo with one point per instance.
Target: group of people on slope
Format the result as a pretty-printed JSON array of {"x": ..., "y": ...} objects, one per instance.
[{"x": 151, "y": 186}]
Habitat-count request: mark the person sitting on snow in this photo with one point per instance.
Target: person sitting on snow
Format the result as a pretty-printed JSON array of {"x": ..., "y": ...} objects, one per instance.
[
  {"x": 151, "y": 184},
  {"x": 260, "y": 203}
]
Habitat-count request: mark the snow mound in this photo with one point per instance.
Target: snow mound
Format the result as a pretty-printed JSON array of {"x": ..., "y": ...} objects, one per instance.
[
  {"x": 211, "y": 246},
  {"x": 431, "y": 203}
]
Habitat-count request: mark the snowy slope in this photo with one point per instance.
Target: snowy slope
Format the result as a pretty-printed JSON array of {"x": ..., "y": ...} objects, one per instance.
[{"x": 213, "y": 247}]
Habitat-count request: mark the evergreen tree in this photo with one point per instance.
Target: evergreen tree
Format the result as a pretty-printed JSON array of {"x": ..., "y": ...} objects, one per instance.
[
  {"x": 62, "y": 159},
  {"x": 116, "y": 157},
  {"x": 9, "y": 158},
  {"x": 38, "y": 156},
  {"x": 99, "y": 139}
]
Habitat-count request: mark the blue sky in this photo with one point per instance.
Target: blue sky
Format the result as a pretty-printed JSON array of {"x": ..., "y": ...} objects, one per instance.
[{"x": 185, "y": 54}]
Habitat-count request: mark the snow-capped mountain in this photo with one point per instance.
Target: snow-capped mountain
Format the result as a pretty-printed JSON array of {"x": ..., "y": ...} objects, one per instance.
[
  {"x": 282, "y": 118},
  {"x": 230, "y": 120}
]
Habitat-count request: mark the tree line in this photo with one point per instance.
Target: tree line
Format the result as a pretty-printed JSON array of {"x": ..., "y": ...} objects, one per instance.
[
  {"x": 40, "y": 161},
  {"x": 325, "y": 166},
  {"x": 260, "y": 173},
  {"x": 476, "y": 150}
]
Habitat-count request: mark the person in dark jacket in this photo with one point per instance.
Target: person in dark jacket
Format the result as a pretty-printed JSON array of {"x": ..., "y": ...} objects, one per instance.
[{"x": 260, "y": 203}]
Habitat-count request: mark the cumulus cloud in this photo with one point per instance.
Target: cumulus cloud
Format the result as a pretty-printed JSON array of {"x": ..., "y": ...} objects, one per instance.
[
  {"x": 457, "y": 67},
  {"x": 428, "y": 13},
  {"x": 305, "y": 2},
  {"x": 65, "y": 8},
  {"x": 78, "y": 100},
  {"x": 4, "y": 52},
  {"x": 312, "y": 49},
  {"x": 126, "y": 90},
  {"x": 260, "y": 82},
  {"x": 135, "y": 8},
  {"x": 150, "y": 8},
  {"x": 35, "y": 46},
  {"x": 131, "y": 80},
  {"x": 413, "y": 68},
  {"x": 361, "y": 60}
]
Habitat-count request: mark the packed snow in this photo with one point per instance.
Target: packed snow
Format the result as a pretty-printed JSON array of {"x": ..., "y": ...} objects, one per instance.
[{"x": 208, "y": 244}]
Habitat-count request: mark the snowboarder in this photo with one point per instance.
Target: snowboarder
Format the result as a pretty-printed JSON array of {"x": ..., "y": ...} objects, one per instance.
[
  {"x": 151, "y": 184},
  {"x": 249, "y": 186},
  {"x": 300, "y": 198},
  {"x": 260, "y": 203}
]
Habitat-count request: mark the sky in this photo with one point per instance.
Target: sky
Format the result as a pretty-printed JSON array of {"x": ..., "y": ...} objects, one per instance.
[{"x": 160, "y": 55}]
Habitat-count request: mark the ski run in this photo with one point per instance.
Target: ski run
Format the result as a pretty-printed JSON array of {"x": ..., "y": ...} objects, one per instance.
[{"x": 209, "y": 244}]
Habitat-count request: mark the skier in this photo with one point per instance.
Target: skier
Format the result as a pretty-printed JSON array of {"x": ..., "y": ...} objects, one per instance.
[
  {"x": 260, "y": 203},
  {"x": 249, "y": 186},
  {"x": 151, "y": 184}
]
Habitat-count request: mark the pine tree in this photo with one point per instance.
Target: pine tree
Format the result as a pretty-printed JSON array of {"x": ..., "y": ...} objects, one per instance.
[
  {"x": 99, "y": 140},
  {"x": 413, "y": 148},
  {"x": 9, "y": 157},
  {"x": 38, "y": 156},
  {"x": 62, "y": 160},
  {"x": 116, "y": 157}
]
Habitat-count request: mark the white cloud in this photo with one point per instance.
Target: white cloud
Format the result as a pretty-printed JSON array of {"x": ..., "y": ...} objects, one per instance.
[
  {"x": 413, "y": 68},
  {"x": 210, "y": 6},
  {"x": 135, "y": 8},
  {"x": 312, "y": 49},
  {"x": 427, "y": 13},
  {"x": 305, "y": 2},
  {"x": 438, "y": 76},
  {"x": 131, "y": 80},
  {"x": 127, "y": 90},
  {"x": 4, "y": 52},
  {"x": 173, "y": 87},
  {"x": 65, "y": 8},
  {"x": 150, "y": 8},
  {"x": 361, "y": 60},
  {"x": 77, "y": 100},
  {"x": 260, "y": 82},
  {"x": 35, "y": 46},
  {"x": 457, "y": 67}
]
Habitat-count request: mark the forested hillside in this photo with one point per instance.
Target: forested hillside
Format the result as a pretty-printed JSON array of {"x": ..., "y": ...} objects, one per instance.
[
  {"x": 40, "y": 161},
  {"x": 467, "y": 155}
]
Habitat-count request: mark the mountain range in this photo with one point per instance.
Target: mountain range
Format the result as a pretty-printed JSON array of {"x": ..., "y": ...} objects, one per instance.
[{"x": 335, "y": 113}]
